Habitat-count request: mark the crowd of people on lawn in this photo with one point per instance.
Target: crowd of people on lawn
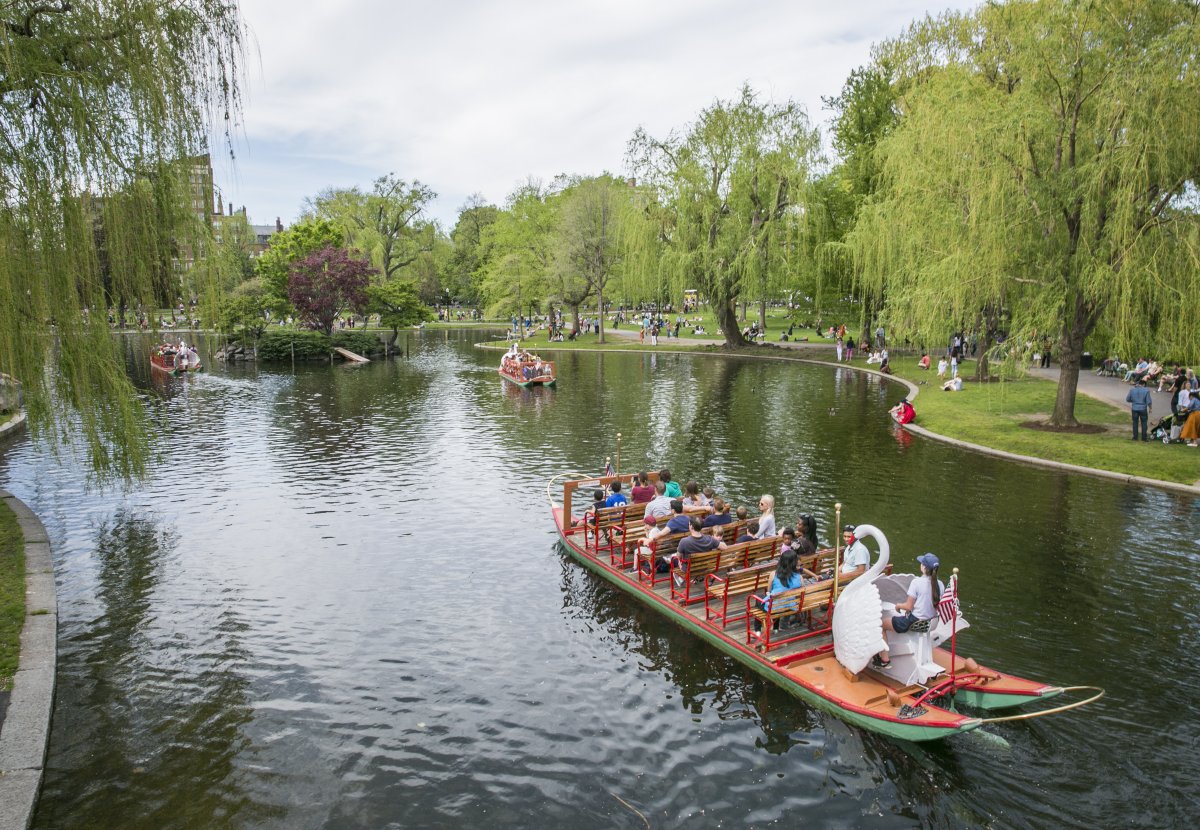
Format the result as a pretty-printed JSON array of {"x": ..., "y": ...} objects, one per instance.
[{"x": 702, "y": 514}]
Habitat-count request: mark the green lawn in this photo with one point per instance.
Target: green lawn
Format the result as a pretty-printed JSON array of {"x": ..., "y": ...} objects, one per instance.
[
  {"x": 992, "y": 414},
  {"x": 12, "y": 594}
]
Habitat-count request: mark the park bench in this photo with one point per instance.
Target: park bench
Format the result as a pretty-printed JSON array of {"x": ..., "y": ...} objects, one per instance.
[
  {"x": 723, "y": 592},
  {"x": 700, "y": 565},
  {"x": 662, "y": 547},
  {"x": 787, "y": 606}
]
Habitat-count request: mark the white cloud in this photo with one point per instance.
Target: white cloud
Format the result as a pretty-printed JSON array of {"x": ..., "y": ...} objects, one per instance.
[{"x": 477, "y": 96}]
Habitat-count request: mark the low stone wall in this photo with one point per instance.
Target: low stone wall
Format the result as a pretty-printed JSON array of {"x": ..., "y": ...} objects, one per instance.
[{"x": 26, "y": 729}]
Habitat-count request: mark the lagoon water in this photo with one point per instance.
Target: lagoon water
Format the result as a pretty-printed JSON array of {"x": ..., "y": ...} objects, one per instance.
[{"x": 338, "y": 601}]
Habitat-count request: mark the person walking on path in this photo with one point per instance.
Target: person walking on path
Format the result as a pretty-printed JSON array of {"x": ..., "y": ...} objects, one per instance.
[{"x": 1140, "y": 405}]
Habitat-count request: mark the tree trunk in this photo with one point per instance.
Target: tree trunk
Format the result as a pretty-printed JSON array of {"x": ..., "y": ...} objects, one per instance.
[
  {"x": 1075, "y": 331},
  {"x": 742, "y": 316},
  {"x": 575, "y": 319},
  {"x": 726, "y": 313},
  {"x": 600, "y": 302},
  {"x": 762, "y": 315},
  {"x": 391, "y": 341}
]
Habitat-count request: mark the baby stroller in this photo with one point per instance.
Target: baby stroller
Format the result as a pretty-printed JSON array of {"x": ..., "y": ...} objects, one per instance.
[{"x": 1166, "y": 430}]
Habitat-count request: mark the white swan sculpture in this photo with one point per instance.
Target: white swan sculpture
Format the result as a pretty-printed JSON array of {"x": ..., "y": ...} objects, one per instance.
[{"x": 858, "y": 613}]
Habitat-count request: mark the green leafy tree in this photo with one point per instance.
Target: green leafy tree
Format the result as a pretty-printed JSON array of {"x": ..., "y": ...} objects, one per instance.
[
  {"x": 514, "y": 278},
  {"x": 471, "y": 252},
  {"x": 99, "y": 102},
  {"x": 387, "y": 223},
  {"x": 243, "y": 313},
  {"x": 288, "y": 247},
  {"x": 398, "y": 305},
  {"x": 737, "y": 173},
  {"x": 587, "y": 235},
  {"x": 1043, "y": 173}
]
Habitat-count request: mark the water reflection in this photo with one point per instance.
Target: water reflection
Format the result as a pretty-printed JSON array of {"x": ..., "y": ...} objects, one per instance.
[{"x": 337, "y": 601}]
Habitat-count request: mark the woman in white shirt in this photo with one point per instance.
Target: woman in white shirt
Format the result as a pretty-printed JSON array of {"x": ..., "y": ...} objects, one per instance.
[{"x": 924, "y": 593}]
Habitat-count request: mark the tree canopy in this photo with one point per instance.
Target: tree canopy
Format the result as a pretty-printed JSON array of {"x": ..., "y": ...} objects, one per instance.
[
  {"x": 326, "y": 284},
  {"x": 100, "y": 106},
  {"x": 1045, "y": 165},
  {"x": 739, "y": 172}
]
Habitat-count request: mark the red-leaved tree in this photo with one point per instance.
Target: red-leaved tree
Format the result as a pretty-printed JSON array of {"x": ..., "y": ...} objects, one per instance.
[{"x": 326, "y": 284}]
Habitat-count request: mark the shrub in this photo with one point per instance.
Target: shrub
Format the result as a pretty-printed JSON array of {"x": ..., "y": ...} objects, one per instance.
[
  {"x": 359, "y": 342},
  {"x": 277, "y": 343}
]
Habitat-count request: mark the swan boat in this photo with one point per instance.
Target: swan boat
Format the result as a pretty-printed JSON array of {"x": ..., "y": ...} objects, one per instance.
[
  {"x": 165, "y": 360},
  {"x": 828, "y": 666},
  {"x": 527, "y": 370}
]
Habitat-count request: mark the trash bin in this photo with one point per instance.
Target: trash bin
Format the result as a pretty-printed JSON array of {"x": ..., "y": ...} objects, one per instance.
[{"x": 1085, "y": 360}]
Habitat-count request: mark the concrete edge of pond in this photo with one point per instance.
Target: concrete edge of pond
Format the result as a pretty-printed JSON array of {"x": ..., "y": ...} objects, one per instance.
[
  {"x": 913, "y": 391},
  {"x": 25, "y": 732},
  {"x": 12, "y": 424}
]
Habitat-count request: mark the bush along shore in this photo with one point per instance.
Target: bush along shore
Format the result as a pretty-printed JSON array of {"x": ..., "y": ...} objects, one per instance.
[{"x": 285, "y": 345}]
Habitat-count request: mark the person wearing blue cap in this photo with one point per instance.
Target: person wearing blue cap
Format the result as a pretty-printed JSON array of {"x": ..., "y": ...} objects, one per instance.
[{"x": 924, "y": 593}]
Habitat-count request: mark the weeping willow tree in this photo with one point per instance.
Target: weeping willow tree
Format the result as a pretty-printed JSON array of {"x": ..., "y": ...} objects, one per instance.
[
  {"x": 1043, "y": 173},
  {"x": 100, "y": 106},
  {"x": 516, "y": 277},
  {"x": 737, "y": 174}
]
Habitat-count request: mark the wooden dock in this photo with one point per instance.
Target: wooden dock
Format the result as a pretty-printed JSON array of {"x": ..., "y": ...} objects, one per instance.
[{"x": 349, "y": 355}]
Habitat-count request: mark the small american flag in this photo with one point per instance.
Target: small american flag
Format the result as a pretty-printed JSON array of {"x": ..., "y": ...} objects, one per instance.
[
  {"x": 948, "y": 608},
  {"x": 608, "y": 467}
]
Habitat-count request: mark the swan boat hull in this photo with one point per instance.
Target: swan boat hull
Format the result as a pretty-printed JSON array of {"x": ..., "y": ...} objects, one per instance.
[
  {"x": 544, "y": 380},
  {"x": 167, "y": 364},
  {"x": 809, "y": 669}
]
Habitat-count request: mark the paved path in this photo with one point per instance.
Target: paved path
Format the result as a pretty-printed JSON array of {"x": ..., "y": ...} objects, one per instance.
[{"x": 1109, "y": 390}]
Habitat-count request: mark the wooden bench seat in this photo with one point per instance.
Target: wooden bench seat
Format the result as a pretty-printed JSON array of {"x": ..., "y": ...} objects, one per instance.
[
  {"x": 663, "y": 547},
  {"x": 700, "y": 565},
  {"x": 787, "y": 606}
]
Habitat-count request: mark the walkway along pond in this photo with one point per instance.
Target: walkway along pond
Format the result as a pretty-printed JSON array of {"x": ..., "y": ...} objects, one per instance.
[{"x": 337, "y": 601}]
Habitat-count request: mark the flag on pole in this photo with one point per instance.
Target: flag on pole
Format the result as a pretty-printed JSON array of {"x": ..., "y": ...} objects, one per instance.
[
  {"x": 948, "y": 608},
  {"x": 608, "y": 467}
]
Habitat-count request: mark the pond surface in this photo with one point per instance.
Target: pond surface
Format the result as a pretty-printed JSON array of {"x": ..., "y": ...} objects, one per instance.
[{"x": 338, "y": 601}]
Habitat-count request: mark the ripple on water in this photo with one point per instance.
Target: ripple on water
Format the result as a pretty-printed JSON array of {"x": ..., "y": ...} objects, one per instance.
[{"x": 336, "y": 601}]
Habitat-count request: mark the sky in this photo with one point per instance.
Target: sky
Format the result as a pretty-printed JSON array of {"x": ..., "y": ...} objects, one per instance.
[{"x": 474, "y": 97}]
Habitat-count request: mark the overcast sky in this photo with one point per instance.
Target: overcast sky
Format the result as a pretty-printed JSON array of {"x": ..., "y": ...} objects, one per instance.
[{"x": 477, "y": 97}]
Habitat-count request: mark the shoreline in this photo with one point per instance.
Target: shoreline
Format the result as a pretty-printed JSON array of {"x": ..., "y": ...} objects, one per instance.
[{"x": 913, "y": 392}]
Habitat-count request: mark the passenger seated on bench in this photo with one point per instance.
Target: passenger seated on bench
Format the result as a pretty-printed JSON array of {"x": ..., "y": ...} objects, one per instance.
[
  {"x": 720, "y": 514},
  {"x": 924, "y": 593},
  {"x": 679, "y": 522},
  {"x": 642, "y": 492},
  {"x": 697, "y": 541},
  {"x": 658, "y": 506},
  {"x": 749, "y": 532},
  {"x": 787, "y": 577},
  {"x": 617, "y": 497},
  {"x": 857, "y": 558},
  {"x": 692, "y": 497},
  {"x": 597, "y": 504}
]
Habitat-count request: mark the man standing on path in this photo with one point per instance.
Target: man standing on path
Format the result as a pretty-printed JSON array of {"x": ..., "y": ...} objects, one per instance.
[{"x": 1140, "y": 404}]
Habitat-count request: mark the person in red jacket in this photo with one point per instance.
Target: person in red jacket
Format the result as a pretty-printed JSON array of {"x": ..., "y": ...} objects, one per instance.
[{"x": 903, "y": 412}]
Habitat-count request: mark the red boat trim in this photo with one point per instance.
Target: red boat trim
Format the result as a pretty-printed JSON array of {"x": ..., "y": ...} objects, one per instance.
[{"x": 957, "y": 723}]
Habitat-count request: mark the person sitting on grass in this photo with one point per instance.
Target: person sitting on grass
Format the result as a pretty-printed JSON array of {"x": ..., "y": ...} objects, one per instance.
[
  {"x": 923, "y": 363},
  {"x": 943, "y": 365},
  {"x": 953, "y": 385},
  {"x": 903, "y": 412}
]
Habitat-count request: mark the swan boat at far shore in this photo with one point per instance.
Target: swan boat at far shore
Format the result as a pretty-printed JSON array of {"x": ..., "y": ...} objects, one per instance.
[{"x": 829, "y": 664}]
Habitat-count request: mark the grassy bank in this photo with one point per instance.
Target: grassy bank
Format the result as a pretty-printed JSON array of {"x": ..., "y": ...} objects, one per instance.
[
  {"x": 991, "y": 414},
  {"x": 12, "y": 594},
  {"x": 995, "y": 415}
]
